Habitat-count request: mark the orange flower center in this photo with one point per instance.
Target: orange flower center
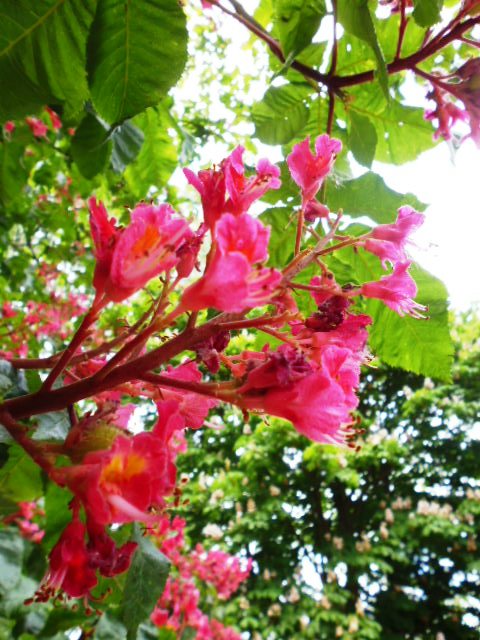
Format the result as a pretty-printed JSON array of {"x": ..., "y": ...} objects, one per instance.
[{"x": 121, "y": 469}]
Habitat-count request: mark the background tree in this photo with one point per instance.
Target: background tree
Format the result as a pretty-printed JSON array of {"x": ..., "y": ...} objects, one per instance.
[{"x": 375, "y": 543}]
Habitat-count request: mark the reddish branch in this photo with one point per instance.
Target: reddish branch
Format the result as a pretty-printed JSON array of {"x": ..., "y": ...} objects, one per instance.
[{"x": 335, "y": 83}]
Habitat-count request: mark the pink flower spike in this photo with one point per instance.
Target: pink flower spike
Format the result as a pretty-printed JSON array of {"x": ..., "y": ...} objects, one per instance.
[
  {"x": 9, "y": 127},
  {"x": 210, "y": 184},
  {"x": 396, "y": 291},
  {"x": 387, "y": 241},
  {"x": 308, "y": 170},
  {"x": 105, "y": 234},
  {"x": 231, "y": 283},
  {"x": 146, "y": 248},
  {"x": 244, "y": 191}
]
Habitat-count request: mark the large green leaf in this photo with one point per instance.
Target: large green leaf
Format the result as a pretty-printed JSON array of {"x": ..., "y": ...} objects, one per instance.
[
  {"x": 137, "y": 51},
  {"x": 145, "y": 583},
  {"x": 11, "y": 557},
  {"x": 91, "y": 146},
  {"x": 281, "y": 113},
  {"x": 427, "y": 12},
  {"x": 13, "y": 173},
  {"x": 43, "y": 54},
  {"x": 20, "y": 479},
  {"x": 280, "y": 246},
  {"x": 355, "y": 17},
  {"x": 296, "y": 22},
  {"x": 362, "y": 137},
  {"x": 402, "y": 132},
  {"x": 127, "y": 141},
  {"x": 158, "y": 156},
  {"x": 57, "y": 512},
  {"x": 421, "y": 346},
  {"x": 369, "y": 196}
]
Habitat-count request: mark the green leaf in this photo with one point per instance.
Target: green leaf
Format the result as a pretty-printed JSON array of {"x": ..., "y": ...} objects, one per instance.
[
  {"x": 13, "y": 173},
  {"x": 52, "y": 426},
  {"x": 11, "y": 558},
  {"x": 422, "y": 346},
  {"x": 145, "y": 583},
  {"x": 108, "y": 628},
  {"x": 20, "y": 479},
  {"x": 362, "y": 138},
  {"x": 427, "y": 12},
  {"x": 57, "y": 512},
  {"x": 402, "y": 132},
  {"x": 369, "y": 196},
  {"x": 355, "y": 17},
  {"x": 127, "y": 141},
  {"x": 158, "y": 156},
  {"x": 296, "y": 22},
  {"x": 43, "y": 54},
  {"x": 136, "y": 52},
  {"x": 280, "y": 246},
  {"x": 281, "y": 113},
  {"x": 91, "y": 147}
]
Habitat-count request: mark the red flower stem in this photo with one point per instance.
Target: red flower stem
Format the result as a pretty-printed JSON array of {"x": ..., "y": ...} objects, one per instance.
[
  {"x": 298, "y": 237},
  {"x": 472, "y": 43},
  {"x": 218, "y": 390},
  {"x": 57, "y": 399},
  {"x": 76, "y": 341},
  {"x": 330, "y": 117},
  {"x": 401, "y": 30},
  {"x": 137, "y": 343},
  {"x": 250, "y": 323},
  {"x": 46, "y": 363},
  {"x": 34, "y": 450},
  {"x": 304, "y": 259},
  {"x": 335, "y": 83},
  {"x": 341, "y": 245}
]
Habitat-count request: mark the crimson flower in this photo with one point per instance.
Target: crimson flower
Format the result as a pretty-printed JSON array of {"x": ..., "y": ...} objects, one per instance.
[
  {"x": 308, "y": 170},
  {"x": 69, "y": 568},
  {"x": 122, "y": 483}
]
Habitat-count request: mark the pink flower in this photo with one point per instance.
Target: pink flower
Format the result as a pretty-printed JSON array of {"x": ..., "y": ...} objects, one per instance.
[
  {"x": 468, "y": 91},
  {"x": 192, "y": 407},
  {"x": 38, "y": 128},
  {"x": 387, "y": 241},
  {"x": 128, "y": 258},
  {"x": 318, "y": 403},
  {"x": 54, "y": 119},
  {"x": 231, "y": 281},
  {"x": 122, "y": 483},
  {"x": 244, "y": 191},
  {"x": 213, "y": 185},
  {"x": 9, "y": 127},
  {"x": 210, "y": 184},
  {"x": 105, "y": 235},
  {"x": 308, "y": 170},
  {"x": 396, "y": 290}
]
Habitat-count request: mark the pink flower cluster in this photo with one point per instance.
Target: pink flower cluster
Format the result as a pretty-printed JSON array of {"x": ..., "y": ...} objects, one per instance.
[{"x": 179, "y": 605}]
